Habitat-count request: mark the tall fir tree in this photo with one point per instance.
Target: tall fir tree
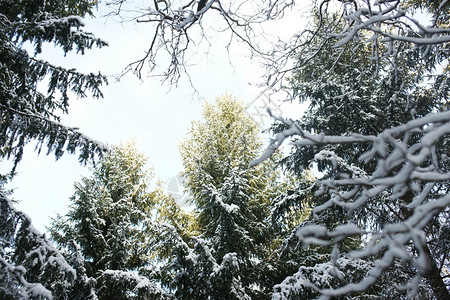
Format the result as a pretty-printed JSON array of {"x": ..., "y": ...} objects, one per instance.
[
  {"x": 107, "y": 228},
  {"x": 232, "y": 200}
]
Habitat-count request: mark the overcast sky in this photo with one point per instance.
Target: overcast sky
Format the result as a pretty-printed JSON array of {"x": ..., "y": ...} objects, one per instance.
[{"x": 156, "y": 116}]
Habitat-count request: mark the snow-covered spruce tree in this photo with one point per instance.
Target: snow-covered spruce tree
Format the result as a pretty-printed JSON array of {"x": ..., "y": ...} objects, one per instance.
[
  {"x": 350, "y": 92},
  {"x": 105, "y": 231},
  {"x": 232, "y": 200},
  {"x": 29, "y": 110},
  {"x": 378, "y": 127},
  {"x": 30, "y": 266}
]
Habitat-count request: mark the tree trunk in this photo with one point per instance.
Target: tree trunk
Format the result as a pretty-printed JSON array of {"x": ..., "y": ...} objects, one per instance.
[
  {"x": 434, "y": 278},
  {"x": 433, "y": 275}
]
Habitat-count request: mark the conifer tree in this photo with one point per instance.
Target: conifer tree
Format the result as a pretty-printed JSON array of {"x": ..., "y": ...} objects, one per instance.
[
  {"x": 232, "y": 200},
  {"x": 28, "y": 109},
  {"x": 361, "y": 89},
  {"x": 107, "y": 227},
  {"x": 30, "y": 266}
]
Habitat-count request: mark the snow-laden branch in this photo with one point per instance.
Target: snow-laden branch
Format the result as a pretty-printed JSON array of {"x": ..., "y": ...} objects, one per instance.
[
  {"x": 410, "y": 166},
  {"x": 192, "y": 17},
  {"x": 309, "y": 139},
  {"x": 388, "y": 20},
  {"x": 32, "y": 265},
  {"x": 386, "y": 25}
]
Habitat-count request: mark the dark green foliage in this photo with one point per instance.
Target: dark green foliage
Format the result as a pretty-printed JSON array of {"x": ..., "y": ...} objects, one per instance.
[
  {"x": 349, "y": 93},
  {"x": 30, "y": 267},
  {"x": 357, "y": 89},
  {"x": 186, "y": 271},
  {"x": 28, "y": 110},
  {"x": 194, "y": 273},
  {"x": 230, "y": 232},
  {"x": 121, "y": 285},
  {"x": 106, "y": 211},
  {"x": 232, "y": 202},
  {"x": 106, "y": 231},
  {"x": 361, "y": 88}
]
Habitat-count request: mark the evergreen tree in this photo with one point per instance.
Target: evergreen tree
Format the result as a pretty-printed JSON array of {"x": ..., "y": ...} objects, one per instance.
[
  {"x": 352, "y": 93},
  {"x": 232, "y": 200},
  {"x": 108, "y": 221},
  {"x": 28, "y": 110},
  {"x": 349, "y": 92},
  {"x": 31, "y": 267}
]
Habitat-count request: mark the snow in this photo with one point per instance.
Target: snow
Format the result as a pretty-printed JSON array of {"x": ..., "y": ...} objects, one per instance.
[
  {"x": 41, "y": 253},
  {"x": 137, "y": 281},
  {"x": 38, "y": 290},
  {"x": 400, "y": 167},
  {"x": 398, "y": 170},
  {"x": 66, "y": 21},
  {"x": 229, "y": 208},
  {"x": 346, "y": 230}
]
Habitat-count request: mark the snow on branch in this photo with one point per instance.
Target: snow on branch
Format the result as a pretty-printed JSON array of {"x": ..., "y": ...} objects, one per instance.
[
  {"x": 307, "y": 139},
  {"x": 390, "y": 21},
  {"x": 29, "y": 264},
  {"x": 132, "y": 281},
  {"x": 56, "y": 136},
  {"x": 410, "y": 166}
]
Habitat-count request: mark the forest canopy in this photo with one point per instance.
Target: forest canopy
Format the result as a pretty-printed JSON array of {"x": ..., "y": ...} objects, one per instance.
[{"x": 375, "y": 224}]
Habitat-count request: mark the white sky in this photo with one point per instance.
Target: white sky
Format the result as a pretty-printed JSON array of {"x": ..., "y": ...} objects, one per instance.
[{"x": 155, "y": 116}]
